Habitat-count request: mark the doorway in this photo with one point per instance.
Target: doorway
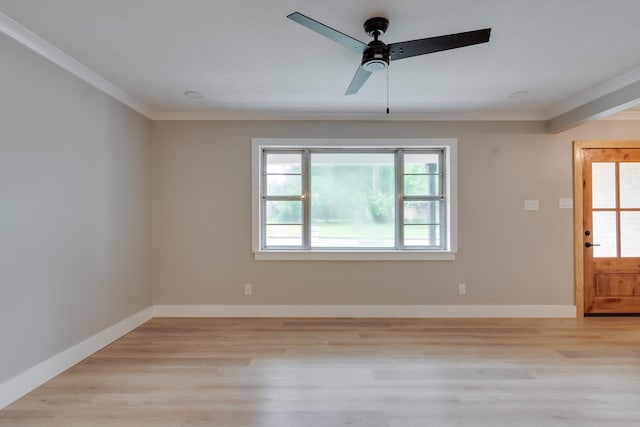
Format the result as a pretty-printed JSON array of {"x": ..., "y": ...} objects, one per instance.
[{"x": 607, "y": 227}]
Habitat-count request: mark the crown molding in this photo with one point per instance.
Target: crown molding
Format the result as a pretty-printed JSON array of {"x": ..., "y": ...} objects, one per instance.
[
  {"x": 32, "y": 41},
  {"x": 349, "y": 116}
]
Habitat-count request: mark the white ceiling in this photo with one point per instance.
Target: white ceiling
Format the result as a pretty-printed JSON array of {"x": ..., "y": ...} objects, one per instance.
[{"x": 248, "y": 60}]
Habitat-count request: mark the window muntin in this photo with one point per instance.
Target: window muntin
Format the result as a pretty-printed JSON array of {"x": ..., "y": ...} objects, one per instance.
[{"x": 359, "y": 198}]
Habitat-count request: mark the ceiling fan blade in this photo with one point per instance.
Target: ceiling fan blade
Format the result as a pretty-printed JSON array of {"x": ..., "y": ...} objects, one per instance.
[
  {"x": 328, "y": 32},
  {"x": 358, "y": 80},
  {"x": 411, "y": 48}
]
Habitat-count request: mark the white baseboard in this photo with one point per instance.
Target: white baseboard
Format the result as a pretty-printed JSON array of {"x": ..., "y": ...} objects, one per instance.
[
  {"x": 32, "y": 378},
  {"x": 406, "y": 311}
]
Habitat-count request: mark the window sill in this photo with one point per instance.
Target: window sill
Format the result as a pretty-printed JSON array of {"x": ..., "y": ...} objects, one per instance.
[{"x": 333, "y": 255}]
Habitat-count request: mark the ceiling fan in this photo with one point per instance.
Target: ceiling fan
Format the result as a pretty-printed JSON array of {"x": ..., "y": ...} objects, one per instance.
[{"x": 376, "y": 55}]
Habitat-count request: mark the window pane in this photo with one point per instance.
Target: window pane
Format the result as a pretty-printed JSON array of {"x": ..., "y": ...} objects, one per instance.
[
  {"x": 629, "y": 233},
  {"x": 279, "y": 163},
  {"x": 421, "y": 174},
  {"x": 421, "y": 235},
  {"x": 421, "y": 185},
  {"x": 605, "y": 234},
  {"x": 422, "y": 212},
  {"x": 603, "y": 187},
  {"x": 283, "y": 212},
  {"x": 352, "y": 235},
  {"x": 630, "y": 185},
  {"x": 421, "y": 163},
  {"x": 284, "y": 185},
  {"x": 352, "y": 200},
  {"x": 283, "y": 235}
]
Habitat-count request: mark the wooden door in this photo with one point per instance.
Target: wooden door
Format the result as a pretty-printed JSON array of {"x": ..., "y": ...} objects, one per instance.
[{"x": 611, "y": 230}]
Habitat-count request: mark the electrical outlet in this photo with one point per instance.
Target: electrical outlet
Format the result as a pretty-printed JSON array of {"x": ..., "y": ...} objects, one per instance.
[
  {"x": 248, "y": 289},
  {"x": 462, "y": 289}
]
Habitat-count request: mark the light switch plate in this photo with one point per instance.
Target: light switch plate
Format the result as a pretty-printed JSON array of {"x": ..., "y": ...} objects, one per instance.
[
  {"x": 565, "y": 203},
  {"x": 531, "y": 205}
]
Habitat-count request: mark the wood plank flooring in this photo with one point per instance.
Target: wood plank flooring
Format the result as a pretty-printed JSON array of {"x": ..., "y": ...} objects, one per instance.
[{"x": 350, "y": 372}]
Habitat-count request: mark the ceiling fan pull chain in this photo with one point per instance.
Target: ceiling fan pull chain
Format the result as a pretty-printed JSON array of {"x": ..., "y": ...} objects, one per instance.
[{"x": 387, "y": 90}]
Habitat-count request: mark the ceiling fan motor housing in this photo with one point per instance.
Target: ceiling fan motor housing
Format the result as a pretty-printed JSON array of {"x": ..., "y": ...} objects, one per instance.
[{"x": 375, "y": 57}]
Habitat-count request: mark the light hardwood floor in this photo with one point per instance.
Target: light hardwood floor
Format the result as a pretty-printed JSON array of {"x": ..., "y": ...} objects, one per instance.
[{"x": 350, "y": 372}]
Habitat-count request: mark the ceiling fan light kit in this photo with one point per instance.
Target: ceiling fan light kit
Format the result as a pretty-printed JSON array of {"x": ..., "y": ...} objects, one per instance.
[{"x": 376, "y": 55}]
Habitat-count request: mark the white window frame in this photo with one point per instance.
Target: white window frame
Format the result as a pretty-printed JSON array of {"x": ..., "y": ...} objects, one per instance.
[{"x": 449, "y": 145}]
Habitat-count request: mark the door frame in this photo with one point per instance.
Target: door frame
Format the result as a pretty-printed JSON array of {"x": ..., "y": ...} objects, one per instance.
[{"x": 578, "y": 206}]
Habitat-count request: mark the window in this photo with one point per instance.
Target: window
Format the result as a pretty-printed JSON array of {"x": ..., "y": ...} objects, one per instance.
[{"x": 354, "y": 199}]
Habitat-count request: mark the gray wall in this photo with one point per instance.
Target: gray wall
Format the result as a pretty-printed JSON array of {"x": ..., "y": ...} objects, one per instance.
[
  {"x": 74, "y": 210},
  {"x": 202, "y": 218}
]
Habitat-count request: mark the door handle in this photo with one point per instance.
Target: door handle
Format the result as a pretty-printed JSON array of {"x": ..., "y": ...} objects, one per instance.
[{"x": 589, "y": 244}]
